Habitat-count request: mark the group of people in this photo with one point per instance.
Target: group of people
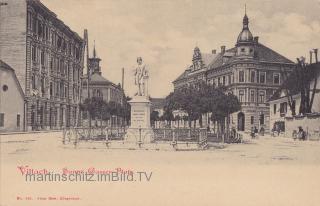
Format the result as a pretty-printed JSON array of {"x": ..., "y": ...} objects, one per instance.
[
  {"x": 254, "y": 132},
  {"x": 300, "y": 135}
]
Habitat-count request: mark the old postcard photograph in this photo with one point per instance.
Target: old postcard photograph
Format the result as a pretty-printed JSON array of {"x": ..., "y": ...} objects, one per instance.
[{"x": 159, "y": 102}]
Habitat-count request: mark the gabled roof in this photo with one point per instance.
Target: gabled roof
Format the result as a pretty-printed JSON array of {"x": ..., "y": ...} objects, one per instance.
[{"x": 7, "y": 67}]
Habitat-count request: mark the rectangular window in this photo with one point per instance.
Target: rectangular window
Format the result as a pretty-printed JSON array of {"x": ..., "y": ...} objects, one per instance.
[
  {"x": 229, "y": 79},
  {"x": 261, "y": 119},
  {"x": 40, "y": 29},
  {"x": 276, "y": 78},
  {"x": 241, "y": 95},
  {"x": 51, "y": 89},
  {"x": 252, "y": 96},
  {"x": 65, "y": 92},
  {"x": 294, "y": 106},
  {"x": 283, "y": 108},
  {"x": 224, "y": 80},
  {"x": 33, "y": 81},
  {"x": 29, "y": 20},
  {"x": 34, "y": 53},
  {"x": 219, "y": 82},
  {"x": 261, "y": 96},
  {"x": 57, "y": 89},
  {"x": 274, "y": 108},
  {"x": 241, "y": 76},
  {"x": 253, "y": 76},
  {"x": 43, "y": 85},
  {"x": 262, "y": 77},
  {"x": 61, "y": 90},
  {"x": 52, "y": 38},
  {"x": 34, "y": 24},
  {"x": 1, "y": 119},
  {"x": 18, "y": 120},
  {"x": 42, "y": 58},
  {"x": 252, "y": 119}
]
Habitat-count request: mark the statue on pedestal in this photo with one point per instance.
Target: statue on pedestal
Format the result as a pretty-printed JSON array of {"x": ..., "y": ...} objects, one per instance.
[
  {"x": 141, "y": 78},
  {"x": 140, "y": 131}
]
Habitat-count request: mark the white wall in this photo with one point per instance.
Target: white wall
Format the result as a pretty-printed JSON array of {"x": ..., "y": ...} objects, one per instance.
[{"x": 11, "y": 102}]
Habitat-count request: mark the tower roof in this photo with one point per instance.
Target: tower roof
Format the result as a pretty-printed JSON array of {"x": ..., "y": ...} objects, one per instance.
[
  {"x": 94, "y": 50},
  {"x": 245, "y": 35}
]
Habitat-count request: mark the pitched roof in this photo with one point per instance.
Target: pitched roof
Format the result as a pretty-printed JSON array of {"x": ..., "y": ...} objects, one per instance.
[
  {"x": 6, "y": 66},
  {"x": 262, "y": 54},
  {"x": 99, "y": 79},
  {"x": 208, "y": 58},
  {"x": 268, "y": 55}
]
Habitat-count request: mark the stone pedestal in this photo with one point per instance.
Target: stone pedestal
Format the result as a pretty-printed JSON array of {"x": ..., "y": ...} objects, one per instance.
[{"x": 140, "y": 130}]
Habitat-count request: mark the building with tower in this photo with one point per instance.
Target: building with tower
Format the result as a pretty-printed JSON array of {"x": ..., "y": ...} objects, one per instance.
[
  {"x": 250, "y": 70},
  {"x": 47, "y": 59},
  {"x": 101, "y": 87}
]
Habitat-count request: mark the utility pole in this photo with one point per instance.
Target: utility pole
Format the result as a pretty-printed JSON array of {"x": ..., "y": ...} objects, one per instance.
[
  {"x": 124, "y": 103},
  {"x": 88, "y": 78},
  {"x": 79, "y": 114}
]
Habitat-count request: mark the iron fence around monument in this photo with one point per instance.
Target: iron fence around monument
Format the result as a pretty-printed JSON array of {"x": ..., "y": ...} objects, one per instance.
[
  {"x": 180, "y": 134},
  {"x": 171, "y": 136},
  {"x": 76, "y": 134}
]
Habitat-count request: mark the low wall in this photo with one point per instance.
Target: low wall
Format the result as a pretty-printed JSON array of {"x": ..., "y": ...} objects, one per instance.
[{"x": 310, "y": 123}]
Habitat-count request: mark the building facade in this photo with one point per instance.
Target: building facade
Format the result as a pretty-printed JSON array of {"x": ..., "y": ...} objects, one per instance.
[
  {"x": 250, "y": 70},
  {"x": 101, "y": 87},
  {"x": 11, "y": 100},
  {"x": 47, "y": 57}
]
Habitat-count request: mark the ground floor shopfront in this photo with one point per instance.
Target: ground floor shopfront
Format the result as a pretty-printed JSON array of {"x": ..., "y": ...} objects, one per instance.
[{"x": 44, "y": 114}]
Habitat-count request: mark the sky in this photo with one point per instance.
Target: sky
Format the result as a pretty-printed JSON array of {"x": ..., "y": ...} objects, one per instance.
[{"x": 165, "y": 32}]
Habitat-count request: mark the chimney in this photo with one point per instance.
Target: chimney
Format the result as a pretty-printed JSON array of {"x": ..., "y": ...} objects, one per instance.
[
  {"x": 310, "y": 56},
  {"x": 256, "y": 39},
  {"x": 214, "y": 51},
  {"x": 223, "y": 49},
  {"x": 316, "y": 54}
]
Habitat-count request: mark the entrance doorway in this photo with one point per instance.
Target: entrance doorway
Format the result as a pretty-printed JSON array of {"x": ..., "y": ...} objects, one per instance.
[{"x": 241, "y": 121}]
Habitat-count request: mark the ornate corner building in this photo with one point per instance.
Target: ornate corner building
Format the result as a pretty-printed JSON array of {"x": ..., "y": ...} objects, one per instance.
[
  {"x": 47, "y": 57},
  {"x": 250, "y": 70}
]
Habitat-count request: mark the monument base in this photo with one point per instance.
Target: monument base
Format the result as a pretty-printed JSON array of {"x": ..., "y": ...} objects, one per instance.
[{"x": 140, "y": 130}]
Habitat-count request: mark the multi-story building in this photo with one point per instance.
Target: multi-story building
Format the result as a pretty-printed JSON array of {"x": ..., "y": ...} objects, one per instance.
[
  {"x": 101, "y": 87},
  {"x": 47, "y": 57},
  {"x": 250, "y": 70}
]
